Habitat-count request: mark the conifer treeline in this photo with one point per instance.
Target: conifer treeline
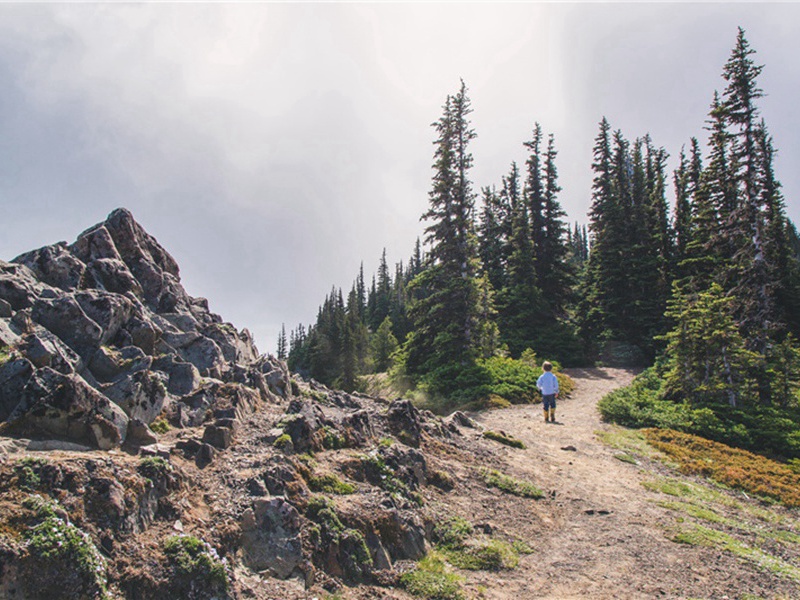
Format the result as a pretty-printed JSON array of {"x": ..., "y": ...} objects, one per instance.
[{"x": 512, "y": 275}]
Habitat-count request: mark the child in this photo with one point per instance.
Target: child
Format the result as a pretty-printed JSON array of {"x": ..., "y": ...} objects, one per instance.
[{"x": 548, "y": 385}]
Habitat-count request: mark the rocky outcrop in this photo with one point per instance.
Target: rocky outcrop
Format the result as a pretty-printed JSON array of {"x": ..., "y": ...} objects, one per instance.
[{"x": 101, "y": 331}]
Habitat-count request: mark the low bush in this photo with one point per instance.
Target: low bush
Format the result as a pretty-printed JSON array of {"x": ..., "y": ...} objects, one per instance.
[
  {"x": 771, "y": 430},
  {"x": 733, "y": 467}
]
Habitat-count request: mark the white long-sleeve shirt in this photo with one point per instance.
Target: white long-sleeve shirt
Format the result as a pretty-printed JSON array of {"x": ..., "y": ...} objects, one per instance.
[{"x": 547, "y": 383}]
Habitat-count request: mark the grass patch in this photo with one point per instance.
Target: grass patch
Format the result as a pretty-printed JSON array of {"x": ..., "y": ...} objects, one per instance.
[
  {"x": 629, "y": 441},
  {"x": 331, "y": 484},
  {"x": 505, "y": 483},
  {"x": 703, "y": 536},
  {"x": 484, "y": 555},
  {"x": 626, "y": 458},
  {"x": 738, "y": 469},
  {"x": 503, "y": 438},
  {"x": 453, "y": 533},
  {"x": 698, "y": 512},
  {"x": 432, "y": 580}
]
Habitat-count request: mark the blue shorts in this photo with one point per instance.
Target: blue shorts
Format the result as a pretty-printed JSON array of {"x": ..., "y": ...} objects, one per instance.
[{"x": 549, "y": 401}]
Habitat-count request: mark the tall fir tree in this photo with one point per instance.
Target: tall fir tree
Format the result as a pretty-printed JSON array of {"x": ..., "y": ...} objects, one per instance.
[{"x": 446, "y": 319}]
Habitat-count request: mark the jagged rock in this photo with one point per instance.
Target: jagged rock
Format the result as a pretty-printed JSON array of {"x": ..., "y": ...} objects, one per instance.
[
  {"x": 142, "y": 334},
  {"x": 404, "y": 421},
  {"x": 66, "y": 407},
  {"x": 18, "y": 285},
  {"x": 462, "y": 420},
  {"x": 344, "y": 400},
  {"x": 271, "y": 537},
  {"x": 5, "y": 309},
  {"x": 142, "y": 395},
  {"x": 358, "y": 428},
  {"x": 114, "y": 276},
  {"x": 108, "y": 364},
  {"x": 184, "y": 377},
  {"x": 204, "y": 354},
  {"x": 95, "y": 244},
  {"x": 408, "y": 464},
  {"x": 143, "y": 255},
  {"x": 55, "y": 265},
  {"x": 7, "y": 335},
  {"x": 277, "y": 375},
  {"x": 14, "y": 375},
  {"x": 218, "y": 435},
  {"x": 64, "y": 317},
  {"x": 236, "y": 347},
  {"x": 302, "y": 423},
  {"x": 109, "y": 311},
  {"x": 44, "y": 349},
  {"x": 139, "y": 434},
  {"x": 282, "y": 478}
]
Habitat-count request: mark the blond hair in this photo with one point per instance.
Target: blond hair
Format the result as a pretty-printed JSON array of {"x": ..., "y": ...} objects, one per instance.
[{"x": 547, "y": 366}]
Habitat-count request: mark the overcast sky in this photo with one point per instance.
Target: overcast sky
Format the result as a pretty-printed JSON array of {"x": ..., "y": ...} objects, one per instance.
[{"x": 271, "y": 148}]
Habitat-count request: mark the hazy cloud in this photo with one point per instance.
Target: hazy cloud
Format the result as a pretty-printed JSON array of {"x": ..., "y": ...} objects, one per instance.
[{"x": 273, "y": 147}]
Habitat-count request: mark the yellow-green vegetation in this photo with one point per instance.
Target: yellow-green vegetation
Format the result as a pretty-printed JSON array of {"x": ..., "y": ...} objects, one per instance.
[
  {"x": 27, "y": 471},
  {"x": 630, "y": 441},
  {"x": 160, "y": 426},
  {"x": 456, "y": 541},
  {"x": 433, "y": 580},
  {"x": 505, "y": 483},
  {"x": 197, "y": 561},
  {"x": 504, "y": 438},
  {"x": 704, "y": 536},
  {"x": 332, "y": 439},
  {"x": 153, "y": 467},
  {"x": 331, "y": 484},
  {"x": 484, "y": 555},
  {"x": 733, "y": 467},
  {"x": 6, "y": 353}
]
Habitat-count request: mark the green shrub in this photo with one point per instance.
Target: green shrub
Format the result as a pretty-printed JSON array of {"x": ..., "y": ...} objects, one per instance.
[
  {"x": 28, "y": 472},
  {"x": 195, "y": 560},
  {"x": 452, "y": 533},
  {"x": 331, "y": 484},
  {"x": 153, "y": 467},
  {"x": 770, "y": 430},
  {"x": 160, "y": 426},
  {"x": 68, "y": 553},
  {"x": 332, "y": 439},
  {"x": 431, "y": 580}
]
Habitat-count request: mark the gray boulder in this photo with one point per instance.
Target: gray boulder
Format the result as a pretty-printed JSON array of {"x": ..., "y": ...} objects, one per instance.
[
  {"x": 66, "y": 407},
  {"x": 270, "y": 538},
  {"x": 64, "y": 317},
  {"x": 55, "y": 265},
  {"x": 109, "y": 311},
  {"x": 45, "y": 349},
  {"x": 14, "y": 375},
  {"x": 141, "y": 395}
]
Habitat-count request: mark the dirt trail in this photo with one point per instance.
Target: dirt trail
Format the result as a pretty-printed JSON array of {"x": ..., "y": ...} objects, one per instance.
[{"x": 600, "y": 534}]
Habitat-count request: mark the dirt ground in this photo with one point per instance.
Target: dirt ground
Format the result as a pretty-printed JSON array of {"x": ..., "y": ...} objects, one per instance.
[{"x": 599, "y": 533}]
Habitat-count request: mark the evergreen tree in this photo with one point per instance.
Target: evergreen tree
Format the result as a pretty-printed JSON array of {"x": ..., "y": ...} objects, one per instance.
[
  {"x": 384, "y": 345},
  {"x": 282, "y": 349},
  {"x": 445, "y": 319},
  {"x": 492, "y": 236}
]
